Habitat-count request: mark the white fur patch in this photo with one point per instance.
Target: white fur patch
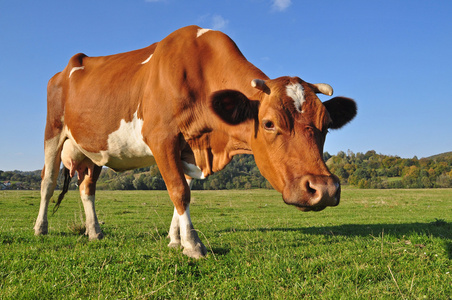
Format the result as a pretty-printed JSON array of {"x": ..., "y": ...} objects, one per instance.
[
  {"x": 201, "y": 32},
  {"x": 127, "y": 143},
  {"x": 147, "y": 60},
  {"x": 75, "y": 69},
  {"x": 126, "y": 148},
  {"x": 174, "y": 232},
  {"x": 296, "y": 92},
  {"x": 185, "y": 225},
  {"x": 192, "y": 170}
]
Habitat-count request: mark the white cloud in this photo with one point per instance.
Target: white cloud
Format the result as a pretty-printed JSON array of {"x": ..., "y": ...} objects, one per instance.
[
  {"x": 218, "y": 22},
  {"x": 215, "y": 22},
  {"x": 281, "y": 5}
]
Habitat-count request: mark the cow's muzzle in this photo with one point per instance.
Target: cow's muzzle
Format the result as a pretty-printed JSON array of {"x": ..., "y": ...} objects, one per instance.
[{"x": 313, "y": 192}]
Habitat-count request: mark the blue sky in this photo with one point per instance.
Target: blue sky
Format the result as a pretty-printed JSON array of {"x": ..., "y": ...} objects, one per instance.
[{"x": 393, "y": 57}]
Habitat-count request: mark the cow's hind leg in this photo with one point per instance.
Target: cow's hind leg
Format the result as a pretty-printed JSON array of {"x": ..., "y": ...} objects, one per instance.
[
  {"x": 87, "y": 193},
  {"x": 52, "y": 149}
]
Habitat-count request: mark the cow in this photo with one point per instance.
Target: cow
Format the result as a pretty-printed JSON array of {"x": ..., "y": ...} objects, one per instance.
[{"x": 188, "y": 103}]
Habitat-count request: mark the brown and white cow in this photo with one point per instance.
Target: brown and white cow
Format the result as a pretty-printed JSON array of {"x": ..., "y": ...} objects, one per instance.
[{"x": 189, "y": 104}]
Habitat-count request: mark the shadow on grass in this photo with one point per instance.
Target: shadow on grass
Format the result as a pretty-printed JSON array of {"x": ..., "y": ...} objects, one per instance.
[{"x": 440, "y": 229}]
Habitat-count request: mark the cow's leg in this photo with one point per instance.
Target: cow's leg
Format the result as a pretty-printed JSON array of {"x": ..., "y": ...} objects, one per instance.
[
  {"x": 167, "y": 156},
  {"x": 87, "y": 193},
  {"x": 52, "y": 149},
  {"x": 174, "y": 232},
  {"x": 182, "y": 233},
  {"x": 193, "y": 247}
]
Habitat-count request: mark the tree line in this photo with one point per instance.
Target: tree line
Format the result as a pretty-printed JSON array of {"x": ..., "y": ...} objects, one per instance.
[
  {"x": 372, "y": 170},
  {"x": 362, "y": 170}
]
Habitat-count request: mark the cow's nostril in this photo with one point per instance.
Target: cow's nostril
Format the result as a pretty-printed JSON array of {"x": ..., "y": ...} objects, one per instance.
[{"x": 309, "y": 187}]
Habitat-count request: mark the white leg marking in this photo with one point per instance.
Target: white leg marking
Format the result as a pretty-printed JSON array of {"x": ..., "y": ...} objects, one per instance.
[
  {"x": 186, "y": 228},
  {"x": 193, "y": 247},
  {"x": 92, "y": 225},
  {"x": 296, "y": 92},
  {"x": 147, "y": 60},
  {"x": 192, "y": 170},
  {"x": 201, "y": 32},
  {"x": 75, "y": 69},
  {"x": 174, "y": 232}
]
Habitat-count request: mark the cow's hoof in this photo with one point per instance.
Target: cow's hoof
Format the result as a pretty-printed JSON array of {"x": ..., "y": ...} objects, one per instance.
[
  {"x": 41, "y": 230},
  {"x": 175, "y": 244},
  {"x": 199, "y": 251},
  {"x": 96, "y": 236}
]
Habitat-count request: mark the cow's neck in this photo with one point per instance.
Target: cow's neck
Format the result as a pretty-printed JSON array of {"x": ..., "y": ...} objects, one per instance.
[{"x": 212, "y": 141}]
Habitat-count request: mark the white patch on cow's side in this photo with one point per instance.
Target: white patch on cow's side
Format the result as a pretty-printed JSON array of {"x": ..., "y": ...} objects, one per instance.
[
  {"x": 192, "y": 170},
  {"x": 126, "y": 147},
  {"x": 147, "y": 60},
  {"x": 127, "y": 143},
  {"x": 201, "y": 31},
  {"x": 75, "y": 69},
  {"x": 296, "y": 92}
]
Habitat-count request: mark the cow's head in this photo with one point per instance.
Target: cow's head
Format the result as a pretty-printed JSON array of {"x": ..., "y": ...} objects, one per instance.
[{"x": 290, "y": 127}]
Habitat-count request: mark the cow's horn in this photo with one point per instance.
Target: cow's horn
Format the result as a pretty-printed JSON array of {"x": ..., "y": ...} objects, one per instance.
[
  {"x": 323, "y": 88},
  {"x": 260, "y": 85}
]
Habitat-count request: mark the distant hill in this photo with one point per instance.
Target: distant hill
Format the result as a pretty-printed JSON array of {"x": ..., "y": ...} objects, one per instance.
[{"x": 445, "y": 155}]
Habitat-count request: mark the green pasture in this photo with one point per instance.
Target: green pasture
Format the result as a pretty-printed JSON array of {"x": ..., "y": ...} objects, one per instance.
[{"x": 377, "y": 244}]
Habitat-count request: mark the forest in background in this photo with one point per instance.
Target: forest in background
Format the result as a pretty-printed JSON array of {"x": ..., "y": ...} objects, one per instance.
[{"x": 362, "y": 170}]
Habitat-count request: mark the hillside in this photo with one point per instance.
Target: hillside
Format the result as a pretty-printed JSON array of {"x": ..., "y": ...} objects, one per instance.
[
  {"x": 363, "y": 170},
  {"x": 445, "y": 155}
]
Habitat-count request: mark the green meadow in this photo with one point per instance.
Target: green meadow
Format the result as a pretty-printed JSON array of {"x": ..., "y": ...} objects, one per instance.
[{"x": 377, "y": 244}]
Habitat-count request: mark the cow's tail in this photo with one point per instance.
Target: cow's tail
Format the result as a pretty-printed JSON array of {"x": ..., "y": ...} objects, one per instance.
[{"x": 67, "y": 180}]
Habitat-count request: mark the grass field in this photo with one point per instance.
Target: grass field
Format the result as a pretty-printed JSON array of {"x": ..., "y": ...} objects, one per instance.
[{"x": 377, "y": 244}]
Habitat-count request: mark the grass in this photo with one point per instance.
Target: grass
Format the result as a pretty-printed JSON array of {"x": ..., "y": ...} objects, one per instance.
[{"x": 377, "y": 244}]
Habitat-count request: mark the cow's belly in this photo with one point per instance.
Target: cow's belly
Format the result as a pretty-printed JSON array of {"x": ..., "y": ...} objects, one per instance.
[{"x": 124, "y": 156}]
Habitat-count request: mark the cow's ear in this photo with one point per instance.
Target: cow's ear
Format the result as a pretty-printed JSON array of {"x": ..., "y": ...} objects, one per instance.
[
  {"x": 342, "y": 110},
  {"x": 233, "y": 107}
]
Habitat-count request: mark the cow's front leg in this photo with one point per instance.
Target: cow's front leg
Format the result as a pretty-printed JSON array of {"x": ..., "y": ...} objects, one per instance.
[
  {"x": 167, "y": 156},
  {"x": 174, "y": 231},
  {"x": 190, "y": 241},
  {"x": 182, "y": 233}
]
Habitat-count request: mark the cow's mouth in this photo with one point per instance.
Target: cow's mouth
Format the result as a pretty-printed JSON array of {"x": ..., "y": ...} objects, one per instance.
[{"x": 311, "y": 208}]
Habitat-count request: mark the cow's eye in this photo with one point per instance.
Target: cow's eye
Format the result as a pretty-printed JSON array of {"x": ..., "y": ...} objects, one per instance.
[{"x": 268, "y": 125}]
